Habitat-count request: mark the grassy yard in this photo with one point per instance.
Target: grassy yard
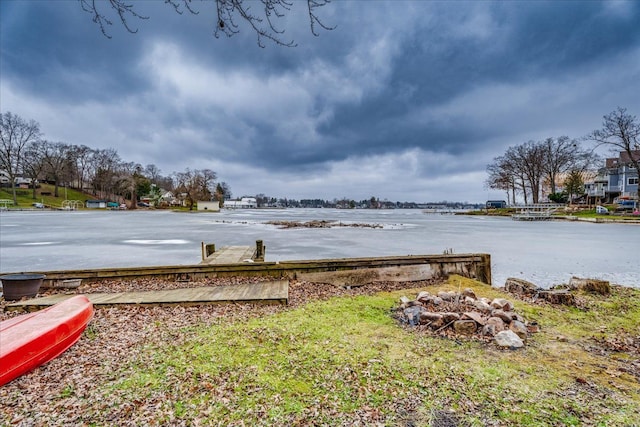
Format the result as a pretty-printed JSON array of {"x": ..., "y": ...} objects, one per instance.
[
  {"x": 346, "y": 361},
  {"x": 591, "y": 213},
  {"x": 26, "y": 200}
]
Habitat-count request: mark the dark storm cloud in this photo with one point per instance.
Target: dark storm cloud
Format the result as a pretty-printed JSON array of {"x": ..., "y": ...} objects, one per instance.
[{"x": 418, "y": 93}]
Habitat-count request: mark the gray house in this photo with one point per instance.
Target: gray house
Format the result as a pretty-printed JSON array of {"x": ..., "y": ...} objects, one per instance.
[{"x": 617, "y": 179}]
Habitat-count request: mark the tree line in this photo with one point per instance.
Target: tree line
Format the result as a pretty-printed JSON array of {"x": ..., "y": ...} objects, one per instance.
[
  {"x": 531, "y": 167},
  {"x": 24, "y": 152}
]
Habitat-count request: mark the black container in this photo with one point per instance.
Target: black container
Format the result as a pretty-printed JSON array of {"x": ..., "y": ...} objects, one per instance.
[{"x": 17, "y": 286}]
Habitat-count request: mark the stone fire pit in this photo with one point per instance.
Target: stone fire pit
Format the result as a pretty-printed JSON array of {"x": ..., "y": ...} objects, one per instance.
[{"x": 455, "y": 314}]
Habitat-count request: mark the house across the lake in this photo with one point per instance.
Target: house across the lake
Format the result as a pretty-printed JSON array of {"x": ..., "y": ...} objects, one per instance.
[
  {"x": 244, "y": 203},
  {"x": 208, "y": 206},
  {"x": 496, "y": 204},
  {"x": 96, "y": 204},
  {"x": 618, "y": 179}
]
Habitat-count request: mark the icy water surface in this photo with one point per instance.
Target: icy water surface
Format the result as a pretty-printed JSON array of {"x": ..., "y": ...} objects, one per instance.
[{"x": 546, "y": 252}]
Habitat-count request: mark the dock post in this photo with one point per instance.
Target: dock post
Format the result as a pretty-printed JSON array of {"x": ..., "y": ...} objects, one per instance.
[
  {"x": 260, "y": 249},
  {"x": 209, "y": 249}
]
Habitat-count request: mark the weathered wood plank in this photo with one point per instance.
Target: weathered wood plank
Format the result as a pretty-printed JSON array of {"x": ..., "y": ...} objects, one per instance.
[{"x": 277, "y": 292}]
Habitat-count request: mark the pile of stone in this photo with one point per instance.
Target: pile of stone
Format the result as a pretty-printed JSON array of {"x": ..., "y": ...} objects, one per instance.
[{"x": 463, "y": 314}]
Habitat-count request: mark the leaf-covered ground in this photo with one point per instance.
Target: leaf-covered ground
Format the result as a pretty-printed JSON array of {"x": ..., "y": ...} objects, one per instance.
[{"x": 333, "y": 357}]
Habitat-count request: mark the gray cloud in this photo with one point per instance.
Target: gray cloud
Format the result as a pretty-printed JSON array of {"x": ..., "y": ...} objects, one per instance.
[{"x": 403, "y": 100}]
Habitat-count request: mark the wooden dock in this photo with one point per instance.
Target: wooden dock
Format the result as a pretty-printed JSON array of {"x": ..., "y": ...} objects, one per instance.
[
  {"x": 276, "y": 292},
  {"x": 536, "y": 212},
  {"x": 232, "y": 254}
]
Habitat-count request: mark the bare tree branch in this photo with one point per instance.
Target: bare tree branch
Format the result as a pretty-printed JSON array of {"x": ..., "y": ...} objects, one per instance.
[
  {"x": 263, "y": 21},
  {"x": 621, "y": 131},
  {"x": 121, "y": 7}
]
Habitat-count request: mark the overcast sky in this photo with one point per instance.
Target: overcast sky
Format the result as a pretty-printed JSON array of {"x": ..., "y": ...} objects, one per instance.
[{"x": 405, "y": 101}]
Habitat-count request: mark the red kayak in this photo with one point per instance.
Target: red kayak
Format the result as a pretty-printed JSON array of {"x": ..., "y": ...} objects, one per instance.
[{"x": 30, "y": 340}]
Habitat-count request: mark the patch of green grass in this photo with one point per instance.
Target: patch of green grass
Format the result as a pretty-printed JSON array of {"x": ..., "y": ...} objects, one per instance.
[
  {"x": 25, "y": 196},
  {"x": 591, "y": 213},
  {"x": 346, "y": 359}
]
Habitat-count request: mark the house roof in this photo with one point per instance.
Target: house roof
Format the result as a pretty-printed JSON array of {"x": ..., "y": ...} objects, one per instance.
[
  {"x": 625, "y": 158},
  {"x": 622, "y": 159}
]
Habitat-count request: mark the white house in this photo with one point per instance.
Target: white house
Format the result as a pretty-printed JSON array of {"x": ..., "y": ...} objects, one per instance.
[
  {"x": 244, "y": 203},
  {"x": 208, "y": 206}
]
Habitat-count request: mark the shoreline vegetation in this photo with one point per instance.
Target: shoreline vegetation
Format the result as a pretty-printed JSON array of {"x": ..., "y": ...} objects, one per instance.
[
  {"x": 570, "y": 214},
  {"x": 335, "y": 356}
]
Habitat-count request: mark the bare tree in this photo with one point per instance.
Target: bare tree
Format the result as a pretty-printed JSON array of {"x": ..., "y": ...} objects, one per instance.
[
  {"x": 502, "y": 177},
  {"x": 559, "y": 158},
  {"x": 154, "y": 174},
  {"x": 563, "y": 155},
  {"x": 81, "y": 157},
  {"x": 195, "y": 185},
  {"x": 620, "y": 131},
  {"x": 127, "y": 177},
  {"x": 57, "y": 162},
  {"x": 531, "y": 159},
  {"x": 104, "y": 170},
  {"x": 228, "y": 15},
  {"x": 15, "y": 135},
  {"x": 33, "y": 164}
]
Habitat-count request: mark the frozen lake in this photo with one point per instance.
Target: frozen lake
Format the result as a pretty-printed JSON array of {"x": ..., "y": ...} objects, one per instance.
[{"x": 546, "y": 252}]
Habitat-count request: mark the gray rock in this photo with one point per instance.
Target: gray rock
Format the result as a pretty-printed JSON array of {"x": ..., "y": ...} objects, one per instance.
[
  {"x": 424, "y": 296},
  {"x": 506, "y": 317},
  {"x": 468, "y": 292},
  {"x": 482, "y": 306},
  {"x": 404, "y": 301},
  {"x": 437, "y": 301},
  {"x": 412, "y": 314},
  {"x": 508, "y": 339},
  {"x": 447, "y": 296},
  {"x": 519, "y": 286},
  {"x": 502, "y": 304},
  {"x": 497, "y": 322},
  {"x": 519, "y": 328},
  {"x": 489, "y": 330},
  {"x": 475, "y": 316}
]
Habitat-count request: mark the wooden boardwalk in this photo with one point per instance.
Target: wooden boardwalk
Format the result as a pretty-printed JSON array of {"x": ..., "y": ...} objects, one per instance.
[{"x": 276, "y": 292}]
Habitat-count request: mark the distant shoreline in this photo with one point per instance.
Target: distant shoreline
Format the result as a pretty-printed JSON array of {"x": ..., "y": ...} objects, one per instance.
[{"x": 570, "y": 218}]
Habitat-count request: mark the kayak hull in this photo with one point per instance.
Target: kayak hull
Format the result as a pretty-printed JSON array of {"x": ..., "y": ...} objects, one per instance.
[{"x": 33, "y": 339}]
